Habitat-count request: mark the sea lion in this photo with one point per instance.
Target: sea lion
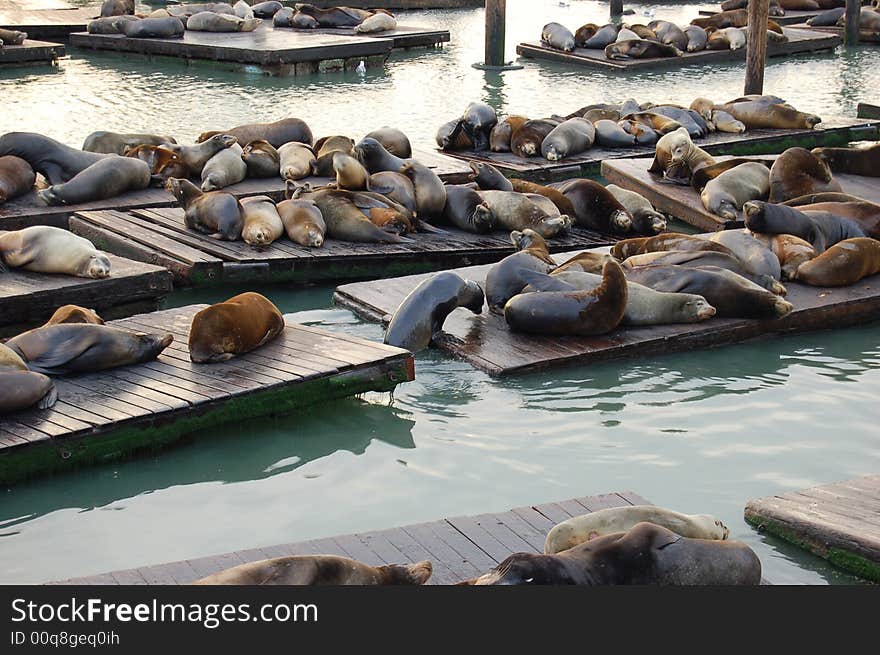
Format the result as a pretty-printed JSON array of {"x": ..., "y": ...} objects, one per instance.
[
  {"x": 644, "y": 306},
  {"x": 261, "y": 223},
  {"x": 45, "y": 249},
  {"x": 266, "y": 9},
  {"x": 695, "y": 124},
  {"x": 216, "y": 213},
  {"x": 595, "y": 207},
  {"x": 261, "y": 159},
  {"x": 319, "y": 570},
  {"x": 563, "y": 204},
  {"x": 16, "y": 177},
  {"x": 117, "y": 8},
  {"x": 303, "y": 222},
  {"x": 344, "y": 219},
  {"x": 488, "y": 177},
  {"x": 669, "y": 34},
  {"x": 611, "y": 135},
  {"x": 419, "y": 318},
  {"x": 869, "y": 21},
  {"x": 626, "y": 34},
  {"x": 224, "y": 169},
  {"x": 303, "y": 21},
  {"x": 603, "y": 37},
  {"x": 732, "y": 18},
  {"x": 666, "y": 242},
  {"x": 207, "y": 21},
  {"x": 821, "y": 229},
  {"x": 466, "y": 210},
  {"x": 277, "y": 133},
  {"x": 701, "y": 177},
  {"x": 334, "y": 16},
  {"x": 74, "y": 314},
  {"x": 724, "y": 122},
  {"x": 284, "y": 18},
  {"x": 430, "y": 192},
  {"x": 477, "y": 121},
  {"x": 645, "y": 219},
  {"x": 195, "y": 157},
  {"x": 154, "y": 28},
  {"x": 295, "y": 160},
  {"x": 844, "y": 263},
  {"x": 658, "y": 122},
  {"x": 644, "y": 135},
  {"x": 856, "y": 161},
  {"x": 579, "y": 313},
  {"x": 109, "y": 24},
  {"x": 393, "y": 140},
  {"x": 113, "y": 143},
  {"x": 451, "y": 136},
  {"x": 735, "y": 36},
  {"x": 243, "y": 10},
  {"x": 499, "y": 137},
  {"x": 233, "y": 327},
  {"x": 350, "y": 173},
  {"x": 396, "y": 187},
  {"x": 791, "y": 251},
  {"x": 730, "y": 294},
  {"x": 85, "y": 348},
  {"x": 10, "y": 360},
  {"x": 378, "y": 22},
  {"x": 641, "y": 49},
  {"x": 584, "y": 33},
  {"x": 107, "y": 178},
  {"x": 12, "y": 37},
  {"x": 865, "y": 214},
  {"x": 696, "y": 38},
  {"x": 827, "y": 18},
  {"x": 647, "y": 554},
  {"x": 755, "y": 114},
  {"x": 703, "y": 106},
  {"x": 824, "y": 197},
  {"x": 516, "y": 211},
  {"x": 22, "y": 389},
  {"x": 504, "y": 279},
  {"x": 163, "y": 162},
  {"x": 797, "y": 172},
  {"x": 753, "y": 254},
  {"x": 55, "y": 161},
  {"x": 325, "y": 149},
  {"x": 526, "y": 141},
  {"x": 577, "y": 530},
  {"x": 726, "y": 194},
  {"x": 569, "y": 138},
  {"x": 375, "y": 157},
  {"x": 558, "y": 37}
]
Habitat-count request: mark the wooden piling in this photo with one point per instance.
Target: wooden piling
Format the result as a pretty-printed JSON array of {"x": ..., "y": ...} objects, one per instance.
[
  {"x": 495, "y": 25},
  {"x": 851, "y": 31},
  {"x": 616, "y": 8},
  {"x": 756, "y": 48}
]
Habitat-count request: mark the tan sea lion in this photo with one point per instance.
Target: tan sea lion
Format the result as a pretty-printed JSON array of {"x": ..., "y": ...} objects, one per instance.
[
  {"x": 277, "y": 133},
  {"x": 393, "y": 140},
  {"x": 262, "y": 224},
  {"x": 23, "y": 389},
  {"x": 733, "y": 18},
  {"x": 665, "y": 242},
  {"x": 208, "y": 21},
  {"x": 261, "y": 159},
  {"x": 516, "y": 211},
  {"x": 579, "y": 529},
  {"x": 10, "y": 360},
  {"x": 797, "y": 172},
  {"x": 430, "y": 192},
  {"x": 117, "y": 144},
  {"x": 195, "y": 157},
  {"x": 791, "y": 251},
  {"x": 526, "y": 141},
  {"x": 319, "y": 570},
  {"x": 726, "y": 194},
  {"x": 303, "y": 222},
  {"x": 562, "y": 203},
  {"x": 162, "y": 162},
  {"x": 856, "y": 161},
  {"x": 16, "y": 177},
  {"x": 224, "y": 169},
  {"x": 844, "y": 263},
  {"x": 85, "y": 348},
  {"x": 45, "y": 249},
  {"x": 216, "y": 213},
  {"x": 350, "y": 173},
  {"x": 296, "y": 160},
  {"x": 233, "y": 327},
  {"x": 755, "y": 114},
  {"x": 344, "y": 219},
  {"x": 499, "y": 137},
  {"x": 74, "y": 314},
  {"x": 676, "y": 157},
  {"x": 325, "y": 148}
]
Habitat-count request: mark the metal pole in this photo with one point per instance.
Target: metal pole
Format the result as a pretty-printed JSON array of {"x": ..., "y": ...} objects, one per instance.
[
  {"x": 853, "y": 13},
  {"x": 756, "y": 46}
]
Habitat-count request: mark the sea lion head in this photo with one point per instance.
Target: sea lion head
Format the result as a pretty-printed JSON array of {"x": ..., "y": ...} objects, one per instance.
[
  {"x": 406, "y": 574},
  {"x": 472, "y": 297},
  {"x": 811, "y": 121},
  {"x": 698, "y": 309},
  {"x": 715, "y": 529},
  {"x": 520, "y": 569},
  {"x": 483, "y": 218},
  {"x": 97, "y": 266},
  {"x": 753, "y": 211},
  {"x": 148, "y": 346},
  {"x": 677, "y": 144},
  {"x": 526, "y": 239},
  {"x": 257, "y": 234},
  {"x": 316, "y": 239},
  {"x": 226, "y": 140},
  {"x": 621, "y": 221}
]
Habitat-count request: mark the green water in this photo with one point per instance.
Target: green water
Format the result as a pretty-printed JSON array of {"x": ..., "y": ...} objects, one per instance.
[{"x": 699, "y": 432}]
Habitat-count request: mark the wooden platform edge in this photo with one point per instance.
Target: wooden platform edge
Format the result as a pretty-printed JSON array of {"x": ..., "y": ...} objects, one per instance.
[{"x": 865, "y": 110}]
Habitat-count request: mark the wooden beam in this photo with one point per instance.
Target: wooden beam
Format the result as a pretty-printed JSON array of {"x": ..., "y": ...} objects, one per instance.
[
  {"x": 495, "y": 25},
  {"x": 853, "y": 14},
  {"x": 756, "y": 47}
]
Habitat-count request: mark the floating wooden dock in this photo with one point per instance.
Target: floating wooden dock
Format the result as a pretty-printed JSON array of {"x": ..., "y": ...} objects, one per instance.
[
  {"x": 865, "y": 110},
  {"x": 460, "y": 548},
  {"x": 30, "y": 53},
  {"x": 29, "y": 299},
  {"x": 159, "y": 236},
  {"x": 105, "y": 416},
  {"x": 274, "y": 51},
  {"x": 485, "y": 340},
  {"x": 830, "y": 132},
  {"x": 792, "y": 16},
  {"x": 864, "y": 37},
  {"x": 403, "y": 36},
  {"x": 26, "y": 210},
  {"x": 683, "y": 202},
  {"x": 840, "y": 522},
  {"x": 47, "y": 23},
  {"x": 799, "y": 41}
]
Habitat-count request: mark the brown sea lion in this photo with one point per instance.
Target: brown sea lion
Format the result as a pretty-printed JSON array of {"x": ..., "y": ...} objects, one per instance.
[
  {"x": 856, "y": 161},
  {"x": 216, "y": 213},
  {"x": 488, "y": 177},
  {"x": 733, "y": 18},
  {"x": 668, "y": 241},
  {"x": 584, "y": 33},
  {"x": 393, "y": 140},
  {"x": 648, "y": 554},
  {"x": 562, "y": 203},
  {"x": 526, "y": 141},
  {"x": 516, "y": 211},
  {"x": 163, "y": 162},
  {"x": 195, "y": 157},
  {"x": 233, "y": 327},
  {"x": 262, "y": 159},
  {"x": 16, "y": 177},
  {"x": 325, "y": 148},
  {"x": 504, "y": 279},
  {"x": 420, "y": 316},
  {"x": 499, "y": 137},
  {"x": 46, "y": 249},
  {"x": 641, "y": 49},
  {"x": 797, "y": 172},
  {"x": 296, "y": 160},
  {"x": 261, "y": 223},
  {"x": 451, "y": 136},
  {"x": 595, "y": 207},
  {"x": 117, "y": 144},
  {"x": 85, "y": 348},
  {"x": 74, "y": 314},
  {"x": 844, "y": 263},
  {"x": 757, "y": 115},
  {"x": 585, "y": 262},
  {"x": 821, "y": 229},
  {"x": 350, "y": 173},
  {"x": 277, "y": 133},
  {"x": 646, "y": 220},
  {"x": 669, "y": 33},
  {"x": 726, "y": 194},
  {"x": 117, "y": 8},
  {"x": 303, "y": 222},
  {"x": 334, "y": 16},
  {"x": 644, "y": 32},
  {"x": 107, "y": 178},
  {"x": 23, "y": 389},
  {"x": 677, "y": 158},
  {"x": 344, "y": 218},
  {"x": 319, "y": 570},
  {"x": 396, "y": 187},
  {"x": 865, "y": 214},
  {"x": 791, "y": 251},
  {"x": 430, "y": 192}
]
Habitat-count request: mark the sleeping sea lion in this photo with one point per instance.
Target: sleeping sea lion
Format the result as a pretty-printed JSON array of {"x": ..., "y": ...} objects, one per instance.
[
  {"x": 23, "y": 389},
  {"x": 344, "y": 219},
  {"x": 393, "y": 140},
  {"x": 16, "y": 177},
  {"x": 595, "y": 207},
  {"x": 224, "y": 169},
  {"x": 641, "y": 49},
  {"x": 526, "y": 141},
  {"x": 726, "y": 194},
  {"x": 303, "y": 222},
  {"x": 55, "y": 161},
  {"x": 46, "y": 249},
  {"x": 504, "y": 279},
  {"x": 216, "y": 213},
  {"x": 166, "y": 27},
  {"x": 261, "y": 159},
  {"x": 557, "y": 36},
  {"x": 844, "y": 263},
  {"x": 791, "y": 251},
  {"x": 499, "y": 137},
  {"x": 113, "y": 143},
  {"x": 163, "y": 162},
  {"x": 516, "y": 211},
  {"x": 195, "y": 157},
  {"x": 466, "y": 210},
  {"x": 821, "y": 229},
  {"x": 569, "y": 138},
  {"x": 755, "y": 114},
  {"x": 107, "y": 178},
  {"x": 233, "y": 327},
  {"x": 277, "y": 133},
  {"x": 797, "y": 172},
  {"x": 430, "y": 192},
  {"x": 668, "y": 241},
  {"x": 645, "y": 219},
  {"x": 295, "y": 160},
  {"x": 74, "y": 314},
  {"x": 261, "y": 223}
]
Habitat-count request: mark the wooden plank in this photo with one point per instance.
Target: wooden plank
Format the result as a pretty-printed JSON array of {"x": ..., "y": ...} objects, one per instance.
[
  {"x": 792, "y": 16},
  {"x": 833, "y": 521},
  {"x": 30, "y": 52},
  {"x": 683, "y": 202}
]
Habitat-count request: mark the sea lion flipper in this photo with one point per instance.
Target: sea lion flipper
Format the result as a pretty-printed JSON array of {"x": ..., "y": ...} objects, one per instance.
[
  {"x": 543, "y": 282},
  {"x": 424, "y": 226},
  {"x": 53, "y": 361},
  {"x": 49, "y": 399}
]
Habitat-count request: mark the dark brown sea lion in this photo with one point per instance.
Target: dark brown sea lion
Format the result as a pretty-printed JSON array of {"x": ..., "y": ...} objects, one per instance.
[
  {"x": 113, "y": 143},
  {"x": 163, "y": 162},
  {"x": 562, "y": 203},
  {"x": 504, "y": 280},
  {"x": 668, "y": 241},
  {"x": 641, "y": 49},
  {"x": 302, "y": 222},
  {"x": 488, "y": 177},
  {"x": 393, "y": 140},
  {"x": 797, "y": 172},
  {"x": 856, "y": 161},
  {"x": 646, "y": 219},
  {"x": 344, "y": 218},
  {"x": 16, "y": 177},
  {"x": 55, "y": 161},
  {"x": 595, "y": 207},
  {"x": 85, "y": 348},
  {"x": 334, "y": 16},
  {"x": 584, "y": 33},
  {"x": 451, "y": 136},
  {"x": 195, "y": 157},
  {"x": 732, "y": 18},
  {"x": 277, "y": 133},
  {"x": 865, "y": 214},
  {"x": 526, "y": 141},
  {"x": 791, "y": 251},
  {"x": 22, "y": 389},
  {"x": 325, "y": 148},
  {"x": 233, "y": 327},
  {"x": 477, "y": 121},
  {"x": 74, "y": 314},
  {"x": 420, "y": 316},
  {"x": 154, "y": 28},
  {"x": 107, "y": 178},
  {"x": 842, "y": 264},
  {"x": 262, "y": 159},
  {"x": 648, "y": 554},
  {"x": 319, "y": 570},
  {"x": 821, "y": 229},
  {"x": 12, "y": 37},
  {"x": 216, "y": 213},
  {"x": 467, "y": 210},
  {"x": 499, "y": 137}
]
